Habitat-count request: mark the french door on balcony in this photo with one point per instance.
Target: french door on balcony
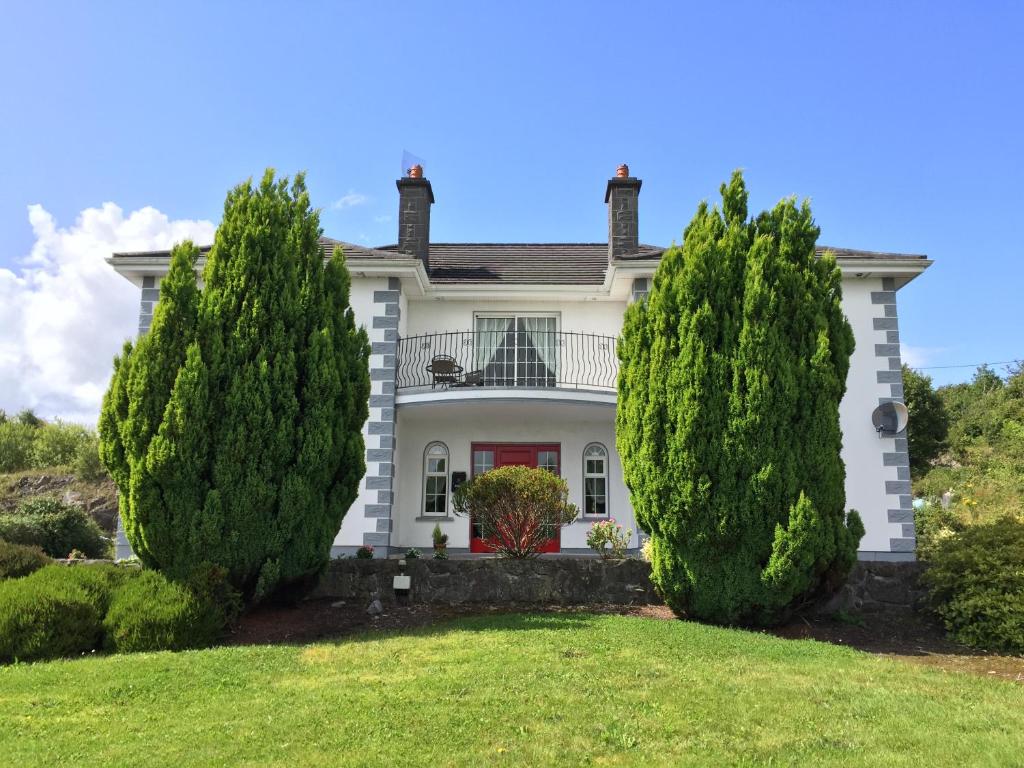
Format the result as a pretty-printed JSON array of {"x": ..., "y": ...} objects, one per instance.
[
  {"x": 517, "y": 350},
  {"x": 487, "y": 456}
]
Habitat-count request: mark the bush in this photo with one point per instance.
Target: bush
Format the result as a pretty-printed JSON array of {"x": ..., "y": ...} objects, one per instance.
[
  {"x": 932, "y": 522},
  {"x": 519, "y": 509},
  {"x": 55, "y": 526},
  {"x": 609, "y": 539},
  {"x": 150, "y": 613},
  {"x": 20, "y": 559},
  {"x": 28, "y": 417},
  {"x": 211, "y": 584},
  {"x": 62, "y": 610},
  {"x": 976, "y": 584},
  {"x": 57, "y": 444},
  {"x": 99, "y": 581},
  {"x": 87, "y": 465},
  {"x": 929, "y": 423},
  {"x": 17, "y": 442},
  {"x": 412, "y": 554},
  {"x": 365, "y": 552},
  {"x": 48, "y": 614}
]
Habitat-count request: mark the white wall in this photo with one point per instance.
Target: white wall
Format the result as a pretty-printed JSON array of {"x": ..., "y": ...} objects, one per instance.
[
  {"x": 431, "y": 316},
  {"x": 862, "y": 448},
  {"x": 575, "y": 426},
  {"x": 459, "y": 425},
  {"x": 355, "y": 524}
]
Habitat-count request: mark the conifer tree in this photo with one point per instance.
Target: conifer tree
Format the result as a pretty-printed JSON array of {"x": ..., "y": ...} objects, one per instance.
[
  {"x": 233, "y": 428},
  {"x": 731, "y": 374}
]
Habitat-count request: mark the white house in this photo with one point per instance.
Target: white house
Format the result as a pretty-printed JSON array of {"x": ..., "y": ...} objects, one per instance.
[{"x": 486, "y": 354}]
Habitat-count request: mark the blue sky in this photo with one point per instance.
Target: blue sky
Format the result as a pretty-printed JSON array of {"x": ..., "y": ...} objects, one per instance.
[{"x": 901, "y": 122}]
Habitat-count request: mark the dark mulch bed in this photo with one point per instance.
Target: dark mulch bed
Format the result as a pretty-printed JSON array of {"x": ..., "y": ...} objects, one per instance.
[{"x": 902, "y": 635}]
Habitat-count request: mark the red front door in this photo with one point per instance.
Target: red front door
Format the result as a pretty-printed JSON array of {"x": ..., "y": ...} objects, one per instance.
[{"x": 492, "y": 455}]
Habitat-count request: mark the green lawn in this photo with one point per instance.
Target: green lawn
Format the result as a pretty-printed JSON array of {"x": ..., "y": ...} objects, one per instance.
[{"x": 510, "y": 690}]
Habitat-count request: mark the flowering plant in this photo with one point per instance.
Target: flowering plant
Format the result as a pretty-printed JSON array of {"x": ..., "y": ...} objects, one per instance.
[
  {"x": 365, "y": 552},
  {"x": 609, "y": 539}
]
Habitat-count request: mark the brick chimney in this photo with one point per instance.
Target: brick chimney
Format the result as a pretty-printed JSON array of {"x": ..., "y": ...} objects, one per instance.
[
  {"x": 623, "y": 215},
  {"x": 414, "y": 199}
]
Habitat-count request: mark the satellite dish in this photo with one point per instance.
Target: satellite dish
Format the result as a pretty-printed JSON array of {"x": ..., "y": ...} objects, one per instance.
[{"x": 890, "y": 418}]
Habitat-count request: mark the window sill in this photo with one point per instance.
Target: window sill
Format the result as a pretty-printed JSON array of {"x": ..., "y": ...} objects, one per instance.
[{"x": 434, "y": 518}]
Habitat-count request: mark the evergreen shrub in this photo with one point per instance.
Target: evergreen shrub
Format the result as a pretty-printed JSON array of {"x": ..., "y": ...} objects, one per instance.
[
  {"x": 20, "y": 559},
  {"x": 233, "y": 428},
  {"x": 150, "y": 613},
  {"x": 732, "y": 370},
  {"x": 42, "y": 617}
]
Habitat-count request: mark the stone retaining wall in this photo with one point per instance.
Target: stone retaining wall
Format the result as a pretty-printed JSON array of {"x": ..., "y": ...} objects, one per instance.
[
  {"x": 564, "y": 581},
  {"x": 872, "y": 586},
  {"x": 878, "y": 586},
  {"x": 576, "y": 581}
]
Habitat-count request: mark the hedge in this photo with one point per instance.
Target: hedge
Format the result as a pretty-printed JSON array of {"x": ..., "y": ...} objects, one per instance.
[
  {"x": 20, "y": 559},
  {"x": 150, "y": 613},
  {"x": 43, "y": 618},
  {"x": 68, "y": 610}
]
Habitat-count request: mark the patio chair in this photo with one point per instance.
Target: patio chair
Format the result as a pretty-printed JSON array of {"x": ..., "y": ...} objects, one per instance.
[{"x": 444, "y": 370}]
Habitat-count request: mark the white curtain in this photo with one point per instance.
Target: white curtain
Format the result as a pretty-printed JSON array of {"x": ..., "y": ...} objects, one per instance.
[
  {"x": 541, "y": 332},
  {"x": 490, "y": 337}
]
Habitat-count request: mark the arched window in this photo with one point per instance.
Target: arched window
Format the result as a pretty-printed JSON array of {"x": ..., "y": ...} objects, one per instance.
[
  {"x": 435, "y": 480},
  {"x": 595, "y": 480}
]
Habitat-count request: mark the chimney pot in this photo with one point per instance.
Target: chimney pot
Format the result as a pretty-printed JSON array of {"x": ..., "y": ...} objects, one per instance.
[
  {"x": 622, "y": 197},
  {"x": 415, "y": 197}
]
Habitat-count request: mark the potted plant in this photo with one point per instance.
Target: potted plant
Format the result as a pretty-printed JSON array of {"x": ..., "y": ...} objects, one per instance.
[{"x": 440, "y": 543}]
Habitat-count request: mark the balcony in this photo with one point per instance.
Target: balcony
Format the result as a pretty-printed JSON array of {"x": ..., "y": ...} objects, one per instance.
[{"x": 523, "y": 356}]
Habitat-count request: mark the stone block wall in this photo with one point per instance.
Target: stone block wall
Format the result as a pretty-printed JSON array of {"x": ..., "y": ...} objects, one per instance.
[
  {"x": 876, "y": 585},
  {"x": 872, "y": 586},
  {"x": 560, "y": 581}
]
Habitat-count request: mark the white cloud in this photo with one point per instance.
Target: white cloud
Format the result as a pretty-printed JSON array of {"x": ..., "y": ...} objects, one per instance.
[
  {"x": 918, "y": 357},
  {"x": 351, "y": 200},
  {"x": 66, "y": 313}
]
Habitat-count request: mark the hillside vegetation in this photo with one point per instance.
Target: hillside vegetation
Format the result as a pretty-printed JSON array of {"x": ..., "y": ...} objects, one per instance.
[
  {"x": 969, "y": 478},
  {"x": 975, "y": 445},
  {"x": 41, "y": 459}
]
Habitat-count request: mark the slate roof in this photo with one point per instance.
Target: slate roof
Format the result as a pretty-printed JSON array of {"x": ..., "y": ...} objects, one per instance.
[
  {"x": 850, "y": 253},
  {"x": 524, "y": 263},
  {"x": 329, "y": 243}
]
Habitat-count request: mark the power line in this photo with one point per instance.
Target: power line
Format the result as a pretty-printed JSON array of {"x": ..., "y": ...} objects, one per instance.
[{"x": 965, "y": 365}]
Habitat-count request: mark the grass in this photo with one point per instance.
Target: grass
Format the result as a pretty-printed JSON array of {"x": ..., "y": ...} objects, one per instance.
[{"x": 510, "y": 690}]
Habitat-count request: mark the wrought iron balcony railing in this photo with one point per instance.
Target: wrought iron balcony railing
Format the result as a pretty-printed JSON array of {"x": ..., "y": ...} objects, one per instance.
[{"x": 509, "y": 355}]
